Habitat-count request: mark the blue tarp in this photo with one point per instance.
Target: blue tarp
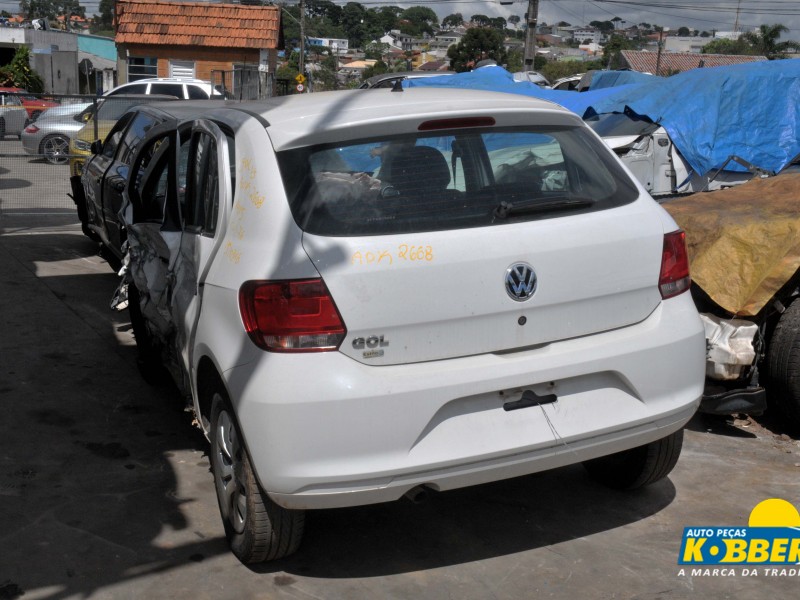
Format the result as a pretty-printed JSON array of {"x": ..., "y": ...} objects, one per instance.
[{"x": 748, "y": 110}]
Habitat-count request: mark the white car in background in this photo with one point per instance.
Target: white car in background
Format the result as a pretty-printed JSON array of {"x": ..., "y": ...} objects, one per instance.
[
  {"x": 370, "y": 296},
  {"x": 188, "y": 89}
]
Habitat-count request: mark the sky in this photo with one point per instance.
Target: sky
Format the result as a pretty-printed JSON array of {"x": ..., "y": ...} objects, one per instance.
[{"x": 704, "y": 15}]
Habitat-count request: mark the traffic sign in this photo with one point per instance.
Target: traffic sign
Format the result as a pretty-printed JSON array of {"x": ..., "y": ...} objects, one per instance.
[
  {"x": 300, "y": 87},
  {"x": 300, "y": 79}
]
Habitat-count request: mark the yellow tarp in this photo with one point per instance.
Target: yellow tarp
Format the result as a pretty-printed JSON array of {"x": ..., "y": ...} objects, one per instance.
[{"x": 744, "y": 242}]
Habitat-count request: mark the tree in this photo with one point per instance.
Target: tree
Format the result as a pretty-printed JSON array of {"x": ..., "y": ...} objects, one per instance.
[
  {"x": 476, "y": 42},
  {"x": 384, "y": 18},
  {"x": 453, "y": 21},
  {"x": 604, "y": 26},
  {"x": 103, "y": 24},
  {"x": 323, "y": 9},
  {"x": 514, "y": 20},
  {"x": 726, "y": 46},
  {"x": 557, "y": 69},
  {"x": 18, "y": 73},
  {"x": 498, "y": 23},
  {"x": 765, "y": 41},
  {"x": 420, "y": 19},
  {"x": 613, "y": 50},
  {"x": 480, "y": 20},
  {"x": 378, "y": 68},
  {"x": 50, "y": 9},
  {"x": 375, "y": 51},
  {"x": 353, "y": 16},
  {"x": 684, "y": 32}
]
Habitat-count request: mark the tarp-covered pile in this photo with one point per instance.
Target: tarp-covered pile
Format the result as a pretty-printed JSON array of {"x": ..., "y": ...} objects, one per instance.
[
  {"x": 744, "y": 242},
  {"x": 749, "y": 110}
]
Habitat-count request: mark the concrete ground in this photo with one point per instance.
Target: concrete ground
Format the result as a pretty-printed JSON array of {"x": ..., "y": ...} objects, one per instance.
[{"x": 105, "y": 489}]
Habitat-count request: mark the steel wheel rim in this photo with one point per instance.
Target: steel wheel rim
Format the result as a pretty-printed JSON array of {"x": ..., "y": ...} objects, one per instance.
[
  {"x": 229, "y": 473},
  {"x": 55, "y": 150}
]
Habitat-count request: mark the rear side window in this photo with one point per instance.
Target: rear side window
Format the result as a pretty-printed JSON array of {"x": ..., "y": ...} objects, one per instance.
[
  {"x": 196, "y": 93},
  {"x": 168, "y": 89},
  {"x": 139, "y": 88},
  {"x": 470, "y": 178}
]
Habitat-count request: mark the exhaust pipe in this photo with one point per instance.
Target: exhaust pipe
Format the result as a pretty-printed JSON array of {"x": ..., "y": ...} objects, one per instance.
[{"x": 417, "y": 495}]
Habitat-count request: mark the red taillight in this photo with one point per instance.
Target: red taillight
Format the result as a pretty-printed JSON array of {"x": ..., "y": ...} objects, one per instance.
[
  {"x": 31, "y": 128},
  {"x": 674, "y": 278},
  {"x": 291, "y": 316}
]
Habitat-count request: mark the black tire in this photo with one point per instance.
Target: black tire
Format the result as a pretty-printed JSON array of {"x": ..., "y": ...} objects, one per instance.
[
  {"x": 637, "y": 467},
  {"x": 783, "y": 366},
  {"x": 257, "y": 529},
  {"x": 55, "y": 149},
  {"x": 149, "y": 353}
]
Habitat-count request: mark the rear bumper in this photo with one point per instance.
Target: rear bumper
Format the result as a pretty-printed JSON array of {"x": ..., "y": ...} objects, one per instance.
[{"x": 326, "y": 431}]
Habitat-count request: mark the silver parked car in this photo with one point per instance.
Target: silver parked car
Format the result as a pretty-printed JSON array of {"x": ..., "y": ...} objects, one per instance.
[{"x": 50, "y": 134}]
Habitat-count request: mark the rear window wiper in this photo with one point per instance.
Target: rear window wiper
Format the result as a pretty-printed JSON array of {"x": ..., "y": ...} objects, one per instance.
[{"x": 504, "y": 209}]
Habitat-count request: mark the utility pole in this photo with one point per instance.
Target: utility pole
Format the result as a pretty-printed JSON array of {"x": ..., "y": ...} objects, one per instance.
[
  {"x": 660, "y": 47},
  {"x": 302, "y": 62},
  {"x": 530, "y": 36}
]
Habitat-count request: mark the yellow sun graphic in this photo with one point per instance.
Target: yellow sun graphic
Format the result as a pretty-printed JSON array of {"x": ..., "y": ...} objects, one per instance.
[{"x": 774, "y": 513}]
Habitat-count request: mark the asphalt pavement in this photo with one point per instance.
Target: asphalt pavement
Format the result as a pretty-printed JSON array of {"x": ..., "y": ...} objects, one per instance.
[{"x": 105, "y": 490}]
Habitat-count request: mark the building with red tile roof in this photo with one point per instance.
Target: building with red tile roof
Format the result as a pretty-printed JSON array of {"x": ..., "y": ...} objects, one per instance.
[
  {"x": 157, "y": 38},
  {"x": 677, "y": 62}
]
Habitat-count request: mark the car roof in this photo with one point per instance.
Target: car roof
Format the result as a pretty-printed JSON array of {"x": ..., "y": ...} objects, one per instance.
[
  {"x": 329, "y": 117},
  {"x": 166, "y": 79},
  {"x": 62, "y": 110},
  {"x": 195, "y": 82},
  {"x": 375, "y": 79}
]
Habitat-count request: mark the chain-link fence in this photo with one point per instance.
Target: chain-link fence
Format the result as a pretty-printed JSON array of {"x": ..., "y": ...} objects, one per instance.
[
  {"x": 35, "y": 133},
  {"x": 45, "y": 139}
]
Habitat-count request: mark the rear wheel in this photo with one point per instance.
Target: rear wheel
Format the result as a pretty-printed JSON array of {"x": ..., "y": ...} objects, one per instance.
[
  {"x": 55, "y": 149},
  {"x": 257, "y": 529},
  {"x": 637, "y": 467},
  {"x": 783, "y": 366}
]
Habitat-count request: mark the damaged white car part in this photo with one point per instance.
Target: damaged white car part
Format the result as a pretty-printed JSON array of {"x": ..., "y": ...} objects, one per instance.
[{"x": 373, "y": 295}]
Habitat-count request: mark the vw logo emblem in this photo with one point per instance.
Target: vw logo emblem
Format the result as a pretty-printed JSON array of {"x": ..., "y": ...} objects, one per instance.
[{"x": 520, "y": 281}]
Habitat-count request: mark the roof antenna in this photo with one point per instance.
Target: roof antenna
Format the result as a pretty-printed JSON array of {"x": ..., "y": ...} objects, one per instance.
[{"x": 398, "y": 86}]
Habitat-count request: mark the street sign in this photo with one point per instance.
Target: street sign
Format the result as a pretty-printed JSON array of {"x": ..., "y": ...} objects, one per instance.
[
  {"x": 300, "y": 87},
  {"x": 300, "y": 79}
]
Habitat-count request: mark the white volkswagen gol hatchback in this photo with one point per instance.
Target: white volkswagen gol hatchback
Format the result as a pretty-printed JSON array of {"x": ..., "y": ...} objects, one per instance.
[{"x": 368, "y": 295}]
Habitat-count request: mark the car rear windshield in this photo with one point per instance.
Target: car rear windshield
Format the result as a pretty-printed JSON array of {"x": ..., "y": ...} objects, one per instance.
[{"x": 451, "y": 180}]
